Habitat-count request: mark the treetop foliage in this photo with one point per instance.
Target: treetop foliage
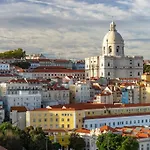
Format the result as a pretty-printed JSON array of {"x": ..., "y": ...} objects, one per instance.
[{"x": 16, "y": 53}]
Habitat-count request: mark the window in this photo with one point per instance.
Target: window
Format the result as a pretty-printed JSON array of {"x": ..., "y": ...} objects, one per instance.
[
  {"x": 68, "y": 119},
  {"x": 108, "y": 73},
  {"x": 45, "y": 119},
  {"x": 95, "y": 125},
  {"x": 68, "y": 126},
  {"x": 56, "y": 119},
  {"x": 62, "y": 119},
  {"x": 62, "y": 125},
  {"x": 138, "y": 64},
  {"x": 110, "y": 49},
  {"x": 108, "y": 64},
  {"x": 90, "y": 125},
  {"x": 138, "y": 73},
  {"x": 117, "y": 49}
]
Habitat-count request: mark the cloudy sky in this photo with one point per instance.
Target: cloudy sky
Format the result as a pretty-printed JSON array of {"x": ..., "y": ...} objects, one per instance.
[{"x": 73, "y": 28}]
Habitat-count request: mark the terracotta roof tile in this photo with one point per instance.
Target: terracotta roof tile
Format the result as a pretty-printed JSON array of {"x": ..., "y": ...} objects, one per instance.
[{"x": 18, "y": 108}]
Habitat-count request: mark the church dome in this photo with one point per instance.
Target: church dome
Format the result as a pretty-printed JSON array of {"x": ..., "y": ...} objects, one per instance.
[
  {"x": 113, "y": 43},
  {"x": 113, "y": 36}
]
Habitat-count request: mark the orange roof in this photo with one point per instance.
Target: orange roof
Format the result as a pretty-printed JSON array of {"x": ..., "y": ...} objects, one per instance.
[
  {"x": 18, "y": 108},
  {"x": 82, "y": 130},
  {"x": 83, "y": 106},
  {"x": 107, "y": 128},
  {"x": 57, "y": 70},
  {"x": 119, "y": 115}
]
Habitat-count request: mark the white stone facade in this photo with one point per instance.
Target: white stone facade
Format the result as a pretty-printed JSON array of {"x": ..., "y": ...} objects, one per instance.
[
  {"x": 55, "y": 97},
  {"x": 4, "y": 66},
  {"x": 113, "y": 63},
  {"x": 81, "y": 92},
  {"x": 2, "y": 115},
  {"x": 118, "y": 121},
  {"x": 21, "y": 93}
]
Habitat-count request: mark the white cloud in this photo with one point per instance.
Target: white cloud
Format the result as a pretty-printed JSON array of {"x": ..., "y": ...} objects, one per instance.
[{"x": 71, "y": 29}]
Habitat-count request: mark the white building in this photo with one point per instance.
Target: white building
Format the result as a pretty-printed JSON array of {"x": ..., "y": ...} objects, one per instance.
[
  {"x": 4, "y": 66},
  {"x": 18, "y": 116},
  {"x": 2, "y": 115},
  {"x": 80, "y": 91},
  {"x": 142, "y": 119},
  {"x": 90, "y": 136},
  {"x": 113, "y": 63},
  {"x": 55, "y": 95},
  {"x": 21, "y": 92}
]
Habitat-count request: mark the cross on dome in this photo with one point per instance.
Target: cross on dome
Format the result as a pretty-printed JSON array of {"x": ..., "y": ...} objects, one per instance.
[{"x": 112, "y": 26}]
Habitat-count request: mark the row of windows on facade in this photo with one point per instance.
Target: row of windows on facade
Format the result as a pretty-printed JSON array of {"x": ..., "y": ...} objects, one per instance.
[
  {"x": 147, "y": 148},
  {"x": 26, "y": 104},
  {"x": 54, "y": 126},
  {"x": 122, "y": 110},
  {"x": 38, "y": 75},
  {"x": 109, "y": 73},
  {"x": 51, "y": 119},
  {"x": 56, "y": 96},
  {"x": 18, "y": 93},
  {"x": 117, "y": 48},
  {"x": 27, "y": 98},
  {"x": 23, "y": 88},
  {"x": 118, "y": 123},
  {"x": 51, "y": 114}
]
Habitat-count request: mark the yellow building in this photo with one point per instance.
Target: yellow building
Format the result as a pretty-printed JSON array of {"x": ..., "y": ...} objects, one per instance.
[
  {"x": 72, "y": 116},
  {"x": 145, "y": 77},
  {"x": 60, "y": 136},
  {"x": 51, "y": 118}
]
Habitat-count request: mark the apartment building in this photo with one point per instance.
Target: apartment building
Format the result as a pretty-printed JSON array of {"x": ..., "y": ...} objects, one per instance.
[
  {"x": 21, "y": 92},
  {"x": 72, "y": 116},
  {"x": 51, "y": 73},
  {"x": 52, "y": 118},
  {"x": 80, "y": 92},
  {"x": 54, "y": 94},
  {"x": 141, "y": 133}
]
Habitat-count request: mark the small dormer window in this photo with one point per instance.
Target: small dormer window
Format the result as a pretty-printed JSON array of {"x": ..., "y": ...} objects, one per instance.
[
  {"x": 110, "y": 49},
  {"x": 117, "y": 49}
]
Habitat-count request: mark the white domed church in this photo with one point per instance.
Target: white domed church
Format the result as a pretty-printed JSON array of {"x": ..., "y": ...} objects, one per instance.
[{"x": 113, "y": 63}]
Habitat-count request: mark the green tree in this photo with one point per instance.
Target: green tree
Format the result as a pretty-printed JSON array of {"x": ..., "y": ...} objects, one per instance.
[
  {"x": 76, "y": 142},
  {"x": 129, "y": 143},
  {"x": 16, "y": 53},
  {"x": 23, "y": 65},
  {"x": 110, "y": 141}
]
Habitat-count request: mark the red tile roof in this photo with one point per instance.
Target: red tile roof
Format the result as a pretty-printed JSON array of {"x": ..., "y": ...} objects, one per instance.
[
  {"x": 116, "y": 116},
  {"x": 86, "y": 106},
  {"x": 82, "y": 130},
  {"x": 18, "y": 108}
]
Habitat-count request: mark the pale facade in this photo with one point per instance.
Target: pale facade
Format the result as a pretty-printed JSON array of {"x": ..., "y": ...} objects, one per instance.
[
  {"x": 55, "y": 96},
  {"x": 117, "y": 121},
  {"x": 113, "y": 63},
  {"x": 80, "y": 92},
  {"x": 4, "y": 66},
  {"x": 21, "y": 92},
  {"x": 2, "y": 115}
]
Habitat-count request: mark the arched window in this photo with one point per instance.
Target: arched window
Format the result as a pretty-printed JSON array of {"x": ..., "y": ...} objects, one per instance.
[
  {"x": 117, "y": 49},
  {"x": 110, "y": 49},
  {"x": 104, "y": 49}
]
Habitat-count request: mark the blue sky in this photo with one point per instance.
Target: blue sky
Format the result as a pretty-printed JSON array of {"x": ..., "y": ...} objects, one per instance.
[{"x": 73, "y": 28}]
